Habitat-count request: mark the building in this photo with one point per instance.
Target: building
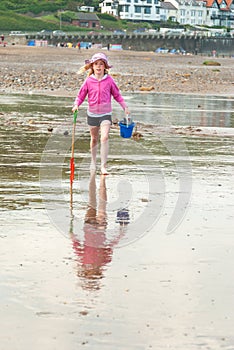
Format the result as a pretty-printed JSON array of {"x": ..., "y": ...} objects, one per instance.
[
  {"x": 110, "y": 7},
  {"x": 168, "y": 11},
  {"x": 135, "y": 10},
  {"x": 204, "y": 12},
  {"x": 86, "y": 8},
  {"x": 87, "y": 20},
  {"x": 140, "y": 10},
  {"x": 191, "y": 12},
  {"x": 220, "y": 13}
]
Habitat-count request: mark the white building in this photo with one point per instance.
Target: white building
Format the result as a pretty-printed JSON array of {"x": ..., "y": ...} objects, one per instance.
[
  {"x": 86, "y": 8},
  {"x": 139, "y": 10},
  {"x": 110, "y": 7},
  {"x": 168, "y": 11},
  {"x": 191, "y": 12},
  {"x": 135, "y": 10},
  {"x": 220, "y": 13}
]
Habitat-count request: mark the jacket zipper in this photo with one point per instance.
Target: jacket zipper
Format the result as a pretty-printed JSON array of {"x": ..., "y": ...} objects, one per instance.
[{"x": 99, "y": 96}]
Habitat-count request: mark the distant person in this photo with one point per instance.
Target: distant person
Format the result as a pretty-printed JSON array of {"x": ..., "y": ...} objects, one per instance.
[
  {"x": 99, "y": 86},
  {"x": 108, "y": 46},
  {"x": 2, "y": 37}
]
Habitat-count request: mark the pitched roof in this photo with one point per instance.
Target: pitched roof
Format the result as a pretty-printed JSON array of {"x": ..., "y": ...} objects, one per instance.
[
  {"x": 166, "y": 5},
  {"x": 87, "y": 16},
  {"x": 209, "y": 3},
  {"x": 228, "y": 2}
]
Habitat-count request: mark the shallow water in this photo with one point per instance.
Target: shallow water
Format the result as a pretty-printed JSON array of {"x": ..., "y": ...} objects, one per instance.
[{"x": 157, "y": 275}]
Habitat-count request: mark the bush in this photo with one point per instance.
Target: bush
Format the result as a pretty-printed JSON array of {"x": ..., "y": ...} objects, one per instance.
[
  {"x": 107, "y": 17},
  {"x": 211, "y": 63},
  {"x": 67, "y": 16}
]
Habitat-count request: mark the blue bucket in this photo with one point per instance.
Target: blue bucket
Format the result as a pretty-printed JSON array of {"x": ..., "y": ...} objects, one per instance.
[{"x": 126, "y": 130}]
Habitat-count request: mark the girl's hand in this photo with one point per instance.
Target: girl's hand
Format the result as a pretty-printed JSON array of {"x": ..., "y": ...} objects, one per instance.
[
  {"x": 75, "y": 108},
  {"x": 126, "y": 110}
]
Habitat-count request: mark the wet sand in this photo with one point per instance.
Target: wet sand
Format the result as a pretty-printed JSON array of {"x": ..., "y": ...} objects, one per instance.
[{"x": 148, "y": 289}]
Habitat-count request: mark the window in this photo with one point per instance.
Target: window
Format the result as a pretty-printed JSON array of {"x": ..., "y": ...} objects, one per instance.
[
  {"x": 193, "y": 13},
  {"x": 182, "y": 12},
  {"x": 223, "y": 5},
  {"x": 149, "y": 1},
  {"x": 84, "y": 24},
  {"x": 137, "y": 9},
  {"x": 123, "y": 8},
  {"x": 147, "y": 10}
]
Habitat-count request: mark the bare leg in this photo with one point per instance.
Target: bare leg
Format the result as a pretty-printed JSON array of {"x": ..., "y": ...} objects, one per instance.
[
  {"x": 105, "y": 128},
  {"x": 90, "y": 216},
  {"x": 101, "y": 214},
  {"x": 94, "y": 132}
]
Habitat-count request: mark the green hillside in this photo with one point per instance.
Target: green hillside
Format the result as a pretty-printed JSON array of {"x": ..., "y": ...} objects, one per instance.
[
  {"x": 37, "y": 7},
  {"x": 35, "y": 15}
]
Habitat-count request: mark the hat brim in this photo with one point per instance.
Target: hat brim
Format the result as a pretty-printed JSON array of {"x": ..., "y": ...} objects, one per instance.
[{"x": 90, "y": 62}]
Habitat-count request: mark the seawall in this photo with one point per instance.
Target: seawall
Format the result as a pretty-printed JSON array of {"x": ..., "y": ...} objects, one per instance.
[{"x": 145, "y": 42}]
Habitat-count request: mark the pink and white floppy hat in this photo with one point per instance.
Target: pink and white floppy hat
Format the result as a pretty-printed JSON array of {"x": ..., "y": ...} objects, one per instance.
[{"x": 98, "y": 56}]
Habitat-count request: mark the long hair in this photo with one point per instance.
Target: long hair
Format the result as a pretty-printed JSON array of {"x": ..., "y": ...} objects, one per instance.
[{"x": 89, "y": 69}]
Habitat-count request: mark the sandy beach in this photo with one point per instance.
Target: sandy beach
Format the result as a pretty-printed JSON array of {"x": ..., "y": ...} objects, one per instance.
[
  {"x": 157, "y": 274},
  {"x": 53, "y": 70}
]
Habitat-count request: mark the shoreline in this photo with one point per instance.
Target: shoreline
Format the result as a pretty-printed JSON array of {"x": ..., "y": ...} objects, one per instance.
[
  {"x": 65, "y": 94},
  {"x": 41, "y": 70}
]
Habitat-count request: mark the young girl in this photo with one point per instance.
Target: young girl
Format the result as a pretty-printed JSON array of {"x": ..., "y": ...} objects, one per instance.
[{"x": 100, "y": 87}]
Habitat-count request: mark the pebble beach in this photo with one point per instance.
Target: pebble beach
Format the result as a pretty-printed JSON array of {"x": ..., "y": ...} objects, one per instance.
[{"x": 53, "y": 70}]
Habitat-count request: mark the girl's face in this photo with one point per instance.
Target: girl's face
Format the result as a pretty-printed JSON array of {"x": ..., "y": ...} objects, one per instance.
[{"x": 99, "y": 68}]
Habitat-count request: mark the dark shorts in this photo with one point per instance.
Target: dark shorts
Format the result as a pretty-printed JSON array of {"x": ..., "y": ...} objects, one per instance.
[{"x": 96, "y": 121}]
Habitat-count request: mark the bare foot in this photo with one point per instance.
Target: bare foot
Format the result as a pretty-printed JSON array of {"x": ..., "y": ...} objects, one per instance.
[{"x": 104, "y": 171}]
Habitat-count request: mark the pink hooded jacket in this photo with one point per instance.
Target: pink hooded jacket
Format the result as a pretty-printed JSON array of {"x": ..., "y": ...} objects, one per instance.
[{"x": 99, "y": 94}]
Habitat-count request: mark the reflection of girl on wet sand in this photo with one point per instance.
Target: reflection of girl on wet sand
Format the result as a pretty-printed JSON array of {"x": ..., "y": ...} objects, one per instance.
[{"x": 95, "y": 252}]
